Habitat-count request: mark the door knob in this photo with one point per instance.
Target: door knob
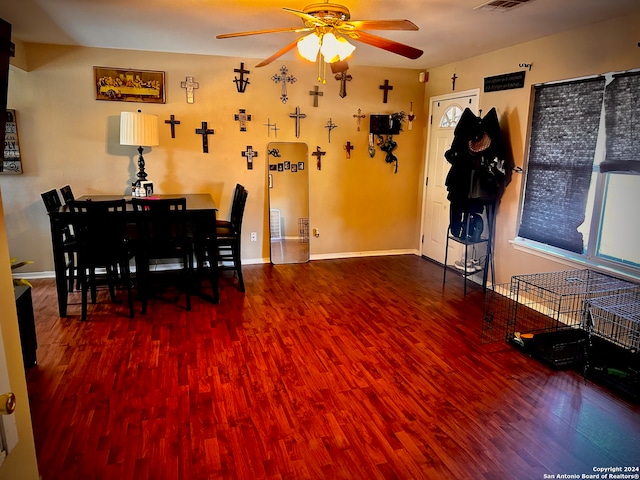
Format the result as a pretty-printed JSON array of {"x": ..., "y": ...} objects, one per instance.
[{"x": 7, "y": 403}]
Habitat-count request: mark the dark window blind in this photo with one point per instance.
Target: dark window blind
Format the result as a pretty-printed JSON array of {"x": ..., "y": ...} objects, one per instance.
[{"x": 564, "y": 132}]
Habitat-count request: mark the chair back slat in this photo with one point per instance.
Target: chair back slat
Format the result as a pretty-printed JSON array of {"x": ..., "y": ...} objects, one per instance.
[{"x": 51, "y": 200}]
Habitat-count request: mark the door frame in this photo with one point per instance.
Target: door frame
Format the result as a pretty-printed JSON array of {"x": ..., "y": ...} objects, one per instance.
[{"x": 432, "y": 100}]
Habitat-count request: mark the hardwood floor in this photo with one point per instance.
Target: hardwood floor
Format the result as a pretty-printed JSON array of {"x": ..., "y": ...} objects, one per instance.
[{"x": 341, "y": 369}]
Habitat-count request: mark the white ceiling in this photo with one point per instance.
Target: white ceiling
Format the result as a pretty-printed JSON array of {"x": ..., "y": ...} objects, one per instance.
[{"x": 450, "y": 30}]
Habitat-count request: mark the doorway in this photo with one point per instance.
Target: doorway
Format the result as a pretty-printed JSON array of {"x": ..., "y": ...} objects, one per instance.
[{"x": 445, "y": 111}]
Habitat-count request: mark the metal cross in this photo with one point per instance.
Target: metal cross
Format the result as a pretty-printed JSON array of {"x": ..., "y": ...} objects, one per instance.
[
  {"x": 189, "y": 84},
  {"x": 330, "y": 125},
  {"x": 241, "y": 83},
  {"x": 358, "y": 117},
  {"x": 298, "y": 115},
  {"x": 283, "y": 78},
  {"x": 249, "y": 154},
  {"x": 173, "y": 123},
  {"x": 205, "y": 132},
  {"x": 316, "y": 93},
  {"x": 348, "y": 147},
  {"x": 243, "y": 118},
  {"x": 453, "y": 81},
  {"x": 318, "y": 154},
  {"x": 386, "y": 87},
  {"x": 271, "y": 126},
  {"x": 343, "y": 78}
]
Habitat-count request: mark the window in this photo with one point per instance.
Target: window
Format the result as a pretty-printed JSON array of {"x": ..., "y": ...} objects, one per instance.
[{"x": 582, "y": 187}]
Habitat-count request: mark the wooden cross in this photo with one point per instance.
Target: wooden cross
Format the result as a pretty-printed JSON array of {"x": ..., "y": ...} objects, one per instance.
[
  {"x": 318, "y": 154},
  {"x": 205, "y": 132},
  {"x": 249, "y": 154},
  {"x": 271, "y": 126},
  {"x": 241, "y": 83},
  {"x": 283, "y": 78},
  {"x": 173, "y": 123},
  {"x": 297, "y": 115},
  {"x": 358, "y": 117},
  {"x": 343, "y": 78},
  {"x": 348, "y": 147},
  {"x": 189, "y": 84},
  {"x": 316, "y": 93},
  {"x": 386, "y": 87},
  {"x": 330, "y": 125},
  {"x": 410, "y": 117},
  {"x": 453, "y": 81},
  {"x": 243, "y": 118}
]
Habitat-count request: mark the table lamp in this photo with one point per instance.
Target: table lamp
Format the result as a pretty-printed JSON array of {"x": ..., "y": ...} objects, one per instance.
[{"x": 141, "y": 130}]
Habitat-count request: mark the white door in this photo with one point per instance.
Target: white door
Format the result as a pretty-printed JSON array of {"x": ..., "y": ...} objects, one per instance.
[{"x": 445, "y": 111}]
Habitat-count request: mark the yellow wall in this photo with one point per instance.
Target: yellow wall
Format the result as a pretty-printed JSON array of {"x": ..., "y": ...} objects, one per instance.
[
  {"x": 605, "y": 47},
  {"x": 68, "y": 137}
]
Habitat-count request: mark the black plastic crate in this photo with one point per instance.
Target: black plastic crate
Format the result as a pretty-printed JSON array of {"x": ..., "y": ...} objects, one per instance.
[{"x": 562, "y": 348}]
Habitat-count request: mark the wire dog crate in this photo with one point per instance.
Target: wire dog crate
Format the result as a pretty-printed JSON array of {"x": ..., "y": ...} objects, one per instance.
[{"x": 616, "y": 318}]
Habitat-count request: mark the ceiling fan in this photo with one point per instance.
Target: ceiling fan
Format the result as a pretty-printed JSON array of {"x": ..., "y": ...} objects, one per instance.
[{"x": 329, "y": 24}]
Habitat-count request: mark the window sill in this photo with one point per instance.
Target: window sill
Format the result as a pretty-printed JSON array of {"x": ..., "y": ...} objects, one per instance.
[{"x": 572, "y": 260}]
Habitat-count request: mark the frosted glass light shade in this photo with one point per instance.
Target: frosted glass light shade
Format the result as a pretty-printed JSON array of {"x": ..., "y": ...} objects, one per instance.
[
  {"x": 139, "y": 129},
  {"x": 335, "y": 49},
  {"x": 309, "y": 46}
]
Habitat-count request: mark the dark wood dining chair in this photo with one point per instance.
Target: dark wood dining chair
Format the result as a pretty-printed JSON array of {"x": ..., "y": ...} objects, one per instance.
[
  {"x": 161, "y": 226},
  {"x": 101, "y": 234},
  {"x": 67, "y": 194},
  {"x": 229, "y": 234},
  {"x": 52, "y": 203}
]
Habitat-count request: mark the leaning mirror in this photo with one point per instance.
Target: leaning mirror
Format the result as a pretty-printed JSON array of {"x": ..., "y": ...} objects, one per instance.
[{"x": 288, "y": 179}]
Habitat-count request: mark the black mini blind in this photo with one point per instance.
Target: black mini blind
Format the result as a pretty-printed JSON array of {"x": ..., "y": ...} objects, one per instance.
[{"x": 564, "y": 132}]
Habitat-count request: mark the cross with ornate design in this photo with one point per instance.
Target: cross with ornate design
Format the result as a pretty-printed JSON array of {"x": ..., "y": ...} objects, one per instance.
[
  {"x": 189, "y": 84},
  {"x": 386, "y": 87},
  {"x": 205, "y": 132},
  {"x": 358, "y": 117},
  {"x": 343, "y": 78},
  {"x": 330, "y": 125},
  {"x": 348, "y": 147},
  {"x": 241, "y": 83},
  {"x": 298, "y": 115},
  {"x": 283, "y": 77},
  {"x": 249, "y": 154},
  {"x": 316, "y": 93},
  {"x": 318, "y": 154},
  {"x": 173, "y": 123},
  {"x": 243, "y": 118}
]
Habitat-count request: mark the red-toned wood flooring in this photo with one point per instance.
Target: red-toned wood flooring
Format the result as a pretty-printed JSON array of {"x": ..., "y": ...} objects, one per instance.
[{"x": 341, "y": 369}]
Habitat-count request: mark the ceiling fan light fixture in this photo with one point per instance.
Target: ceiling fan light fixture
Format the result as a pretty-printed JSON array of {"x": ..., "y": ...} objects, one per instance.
[
  {"x": 309, "y": 46},
  {"x": 335, "y": 49}
]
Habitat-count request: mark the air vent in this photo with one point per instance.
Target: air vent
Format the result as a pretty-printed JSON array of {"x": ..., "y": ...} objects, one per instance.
[{"x": 501, "y": 5}]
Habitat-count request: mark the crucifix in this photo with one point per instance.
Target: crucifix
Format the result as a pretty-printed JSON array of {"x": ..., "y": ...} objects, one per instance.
[
  {"x": 348, "y": 147},
  {"x": 243, "y": 118},
  {"x": 173, "y": 123},
  {"x": 316, "y": 93},
  {"x": 297, "y": 115},
  {"x": 330, "y": 125},
  {"x": 241, "y": 83},
  {"x": 205, "y": 132},
  {"x": 386, "y": 87},
  {"x": 189, "y": 84},
  {"x": 343, "y": 78},
  {"x": 271, "y": 126},
  {"x": 358, "y": 116},
  {"x": 283, "y": 77},
  {"x": 318, "y": 154},
  {"x": 410, "y": 117},
  {"x": 453, "y": 81},
  {"x": 249, "y": 153}
]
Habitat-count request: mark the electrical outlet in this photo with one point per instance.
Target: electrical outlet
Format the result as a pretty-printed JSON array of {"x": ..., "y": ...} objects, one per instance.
[
  {"x": 316, "y": 232},
  {"x": 254, "y": 236}
]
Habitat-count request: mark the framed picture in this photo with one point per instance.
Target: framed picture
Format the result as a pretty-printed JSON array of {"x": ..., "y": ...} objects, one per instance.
[
  {"x": 287, "y": 165},
  {"x": 300, "y": 165},
  {"x": 273, "y": 167},
  {"x": 281, "y": 167},
  {"x": 11, "y": 163},
  {"x": 294, "y": 167},
  {"x": 144, "y": 86}
]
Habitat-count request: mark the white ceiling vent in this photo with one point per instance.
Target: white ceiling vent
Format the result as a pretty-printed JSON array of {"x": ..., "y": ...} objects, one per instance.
[{"x": 501, "y": 5}]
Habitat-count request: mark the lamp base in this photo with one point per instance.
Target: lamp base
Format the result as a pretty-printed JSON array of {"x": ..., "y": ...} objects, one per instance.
[{"x": 142, "y": 175}]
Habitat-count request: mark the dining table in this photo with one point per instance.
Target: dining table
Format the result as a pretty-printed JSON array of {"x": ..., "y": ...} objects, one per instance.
[{"x": 200, "y": 211}]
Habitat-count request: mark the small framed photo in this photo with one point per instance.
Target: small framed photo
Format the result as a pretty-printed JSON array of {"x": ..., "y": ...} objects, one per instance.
[
  {"x": 300, "y": 165},
  {"x": 124, "y": 85},
  {"x": 148, "y": 188},
  {"x": 294, "y": 167},
  {"x": 287, "y": 165},
  {"x": 273, "y": 167},
  {"x": 281, "y": 167}
]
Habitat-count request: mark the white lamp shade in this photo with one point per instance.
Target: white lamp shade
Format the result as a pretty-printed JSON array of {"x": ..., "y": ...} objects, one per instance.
[{"x": 139, "y": 129}]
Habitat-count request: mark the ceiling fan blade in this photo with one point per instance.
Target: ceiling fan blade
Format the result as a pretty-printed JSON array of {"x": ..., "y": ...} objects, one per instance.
[
  {"x": 260, "y": 32},
  {"x": 378, "y": 25},
  {"x": 386, "y": 44},
  {"x": 305, "y": 16},
  {"x": 278, "y": 54}
]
